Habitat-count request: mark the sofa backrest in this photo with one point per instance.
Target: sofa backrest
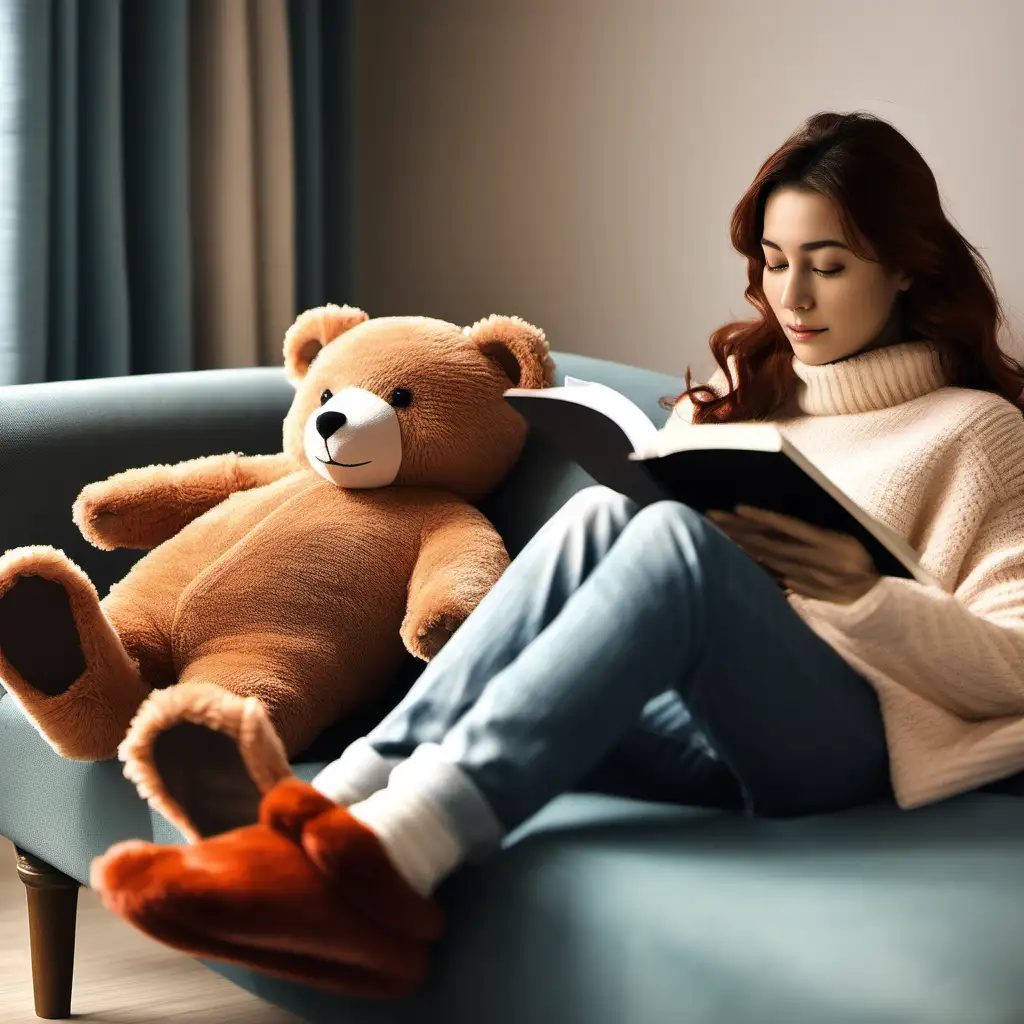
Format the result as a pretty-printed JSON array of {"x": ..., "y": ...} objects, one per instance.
[{"x": 57, "y": 437}]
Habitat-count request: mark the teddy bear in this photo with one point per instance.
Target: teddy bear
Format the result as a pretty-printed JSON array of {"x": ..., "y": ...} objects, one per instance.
[{"x": 298, "y": 582}]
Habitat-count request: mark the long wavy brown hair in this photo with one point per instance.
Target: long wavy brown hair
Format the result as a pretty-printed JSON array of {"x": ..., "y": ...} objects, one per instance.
[{"x": 885, "y": 195}]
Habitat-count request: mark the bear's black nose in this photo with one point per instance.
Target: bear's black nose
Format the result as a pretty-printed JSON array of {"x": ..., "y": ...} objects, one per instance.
[{"x": 328, "y": 423}]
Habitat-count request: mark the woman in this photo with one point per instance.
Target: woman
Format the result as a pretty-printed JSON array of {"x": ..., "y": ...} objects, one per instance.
[
  {"x": 607, "y": 655},
  {"x": 648, "y": 652}
]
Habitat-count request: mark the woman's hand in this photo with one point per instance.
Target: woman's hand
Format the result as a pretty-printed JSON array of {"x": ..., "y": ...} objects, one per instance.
[{"x": 809, "y": 560}]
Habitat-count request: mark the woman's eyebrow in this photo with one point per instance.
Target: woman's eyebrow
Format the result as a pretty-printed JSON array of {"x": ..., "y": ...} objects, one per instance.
[{"x": 824, "y": 243}]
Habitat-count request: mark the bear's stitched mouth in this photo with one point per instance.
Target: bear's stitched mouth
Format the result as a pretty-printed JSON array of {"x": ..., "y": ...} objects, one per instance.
[{"x": 346, "y": 465}]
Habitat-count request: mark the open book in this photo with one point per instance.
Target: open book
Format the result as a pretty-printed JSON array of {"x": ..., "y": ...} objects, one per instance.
[{"x": 707, "y": 466}]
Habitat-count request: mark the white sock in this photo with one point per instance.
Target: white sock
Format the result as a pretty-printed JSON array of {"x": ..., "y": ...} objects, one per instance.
[
  {"x": 359, "y": 772},
  {"x": 417, "y": 834}
]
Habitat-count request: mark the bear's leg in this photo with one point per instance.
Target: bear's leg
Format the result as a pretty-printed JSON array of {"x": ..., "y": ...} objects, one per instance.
[
  {"x": 60, "y": 656},
  {"x": 301, "y": 689},
  {"x": 203, "y": 752}
]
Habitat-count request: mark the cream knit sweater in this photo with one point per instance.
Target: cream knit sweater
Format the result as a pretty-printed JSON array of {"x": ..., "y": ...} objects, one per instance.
[{"x": 944, "y": 467}]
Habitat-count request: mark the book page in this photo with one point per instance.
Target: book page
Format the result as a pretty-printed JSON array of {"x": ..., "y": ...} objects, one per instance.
[{"x": 762, "y": 437}]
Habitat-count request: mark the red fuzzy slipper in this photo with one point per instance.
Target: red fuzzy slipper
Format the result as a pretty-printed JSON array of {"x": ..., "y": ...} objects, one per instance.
[{"x": 254, "y": 897}]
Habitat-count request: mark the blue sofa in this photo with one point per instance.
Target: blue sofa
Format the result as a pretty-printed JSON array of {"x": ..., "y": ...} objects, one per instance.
[{"x": 599, "y": 910}]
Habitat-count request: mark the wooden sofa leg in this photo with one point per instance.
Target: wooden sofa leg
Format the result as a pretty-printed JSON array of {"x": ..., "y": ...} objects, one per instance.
[{"x": 52, "y": 914}]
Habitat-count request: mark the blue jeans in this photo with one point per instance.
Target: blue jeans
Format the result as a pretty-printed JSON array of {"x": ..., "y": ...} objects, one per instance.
[{"x": 639, "y": 651}]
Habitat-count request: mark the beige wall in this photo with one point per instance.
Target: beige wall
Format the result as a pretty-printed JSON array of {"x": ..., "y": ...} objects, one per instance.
[{"x": 577, "y": 162}]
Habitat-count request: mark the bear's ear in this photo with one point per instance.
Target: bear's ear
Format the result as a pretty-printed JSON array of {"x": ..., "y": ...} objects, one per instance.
[
  {"x": 519, "y": 348},
  {"x": 313, "y": 330}
]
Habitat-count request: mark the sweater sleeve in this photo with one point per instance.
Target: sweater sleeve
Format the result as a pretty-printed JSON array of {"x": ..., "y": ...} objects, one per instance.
[{"x": 962, "y": 650}]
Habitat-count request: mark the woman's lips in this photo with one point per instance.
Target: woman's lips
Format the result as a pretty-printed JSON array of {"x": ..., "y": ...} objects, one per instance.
[{"x": 804, "y": 335}]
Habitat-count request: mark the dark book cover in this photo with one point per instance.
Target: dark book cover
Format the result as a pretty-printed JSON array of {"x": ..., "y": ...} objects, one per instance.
[
  {"x": 724, "y": 478},
  {"x": 703, "y": 478}
]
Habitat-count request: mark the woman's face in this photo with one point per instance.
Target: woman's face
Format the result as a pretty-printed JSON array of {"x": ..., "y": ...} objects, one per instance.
[{"x": 827, "y": 286}]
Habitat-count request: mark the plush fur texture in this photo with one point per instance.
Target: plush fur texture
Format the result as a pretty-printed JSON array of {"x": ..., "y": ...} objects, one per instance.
[
  {"x": 306, "y": 894},
  {"x": 267, "y": 579},
  {"x": 242, "y": 721}
]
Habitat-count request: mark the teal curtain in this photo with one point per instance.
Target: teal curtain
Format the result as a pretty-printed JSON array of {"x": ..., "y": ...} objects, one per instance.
[
  {"x": 96, "y": 206},
  {"x": 95, "y": 236},
  {"x": 323, "y": 93}
]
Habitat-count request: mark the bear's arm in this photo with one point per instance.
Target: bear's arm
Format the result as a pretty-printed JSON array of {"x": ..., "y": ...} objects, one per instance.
[
  {"x": 141, "y": 508},
  {"x": 461, "y": 557}
]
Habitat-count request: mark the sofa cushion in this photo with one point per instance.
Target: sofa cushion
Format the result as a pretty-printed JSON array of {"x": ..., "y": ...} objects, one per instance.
[
  {"x": 66, "y": 812},
  {"x": 603, "y": 910}
]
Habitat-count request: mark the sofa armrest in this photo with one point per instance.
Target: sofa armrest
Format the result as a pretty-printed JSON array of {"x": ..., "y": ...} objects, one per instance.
[{"x": 55, "y": 438}]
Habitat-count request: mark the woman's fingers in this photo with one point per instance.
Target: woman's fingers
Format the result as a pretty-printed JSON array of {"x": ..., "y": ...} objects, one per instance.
[
  {"x": 806, "y": 559},
  {"x": 753, "y": 539},
  {"x": 787, "y": 524},
  {"x": 789, "y": 568},
  {"x": 792, "y": 554}
]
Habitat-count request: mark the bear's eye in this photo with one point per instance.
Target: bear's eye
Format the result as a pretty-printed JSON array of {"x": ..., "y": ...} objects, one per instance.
[
  {"x": 326, "y": 397},
  {"x": 401, "y": 398}
]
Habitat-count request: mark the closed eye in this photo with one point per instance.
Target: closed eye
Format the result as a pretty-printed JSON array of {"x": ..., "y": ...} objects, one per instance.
[{"x": 823, "y": 273}]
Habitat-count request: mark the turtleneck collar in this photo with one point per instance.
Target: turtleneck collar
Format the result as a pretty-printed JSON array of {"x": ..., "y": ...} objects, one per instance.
[{"x": 873, "y": 380}]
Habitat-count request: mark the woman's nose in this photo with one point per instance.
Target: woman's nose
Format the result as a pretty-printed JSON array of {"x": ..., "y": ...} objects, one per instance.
[{"x": 795, "y": 296}]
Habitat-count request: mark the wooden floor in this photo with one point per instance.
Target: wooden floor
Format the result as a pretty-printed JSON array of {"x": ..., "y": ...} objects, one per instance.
[{"x": 121, "y": 977}]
